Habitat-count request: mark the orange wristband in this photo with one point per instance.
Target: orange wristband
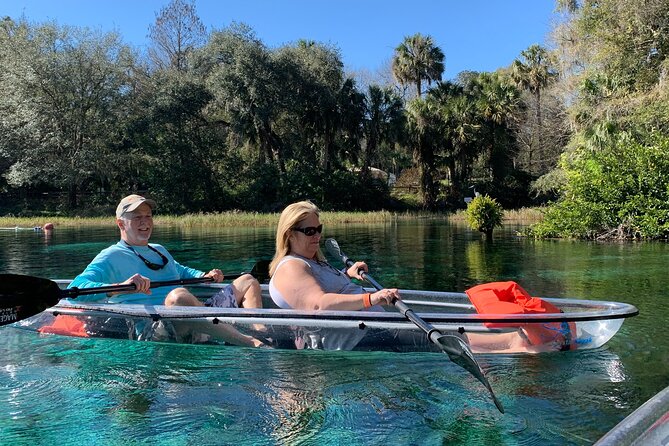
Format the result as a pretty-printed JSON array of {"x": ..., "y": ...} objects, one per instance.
[{"x": 367, "y": 300}]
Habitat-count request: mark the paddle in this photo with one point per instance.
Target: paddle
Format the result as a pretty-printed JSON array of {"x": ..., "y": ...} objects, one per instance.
[
  {"x": 456, "y": 349},
  {"x": 24, "y": 296}
]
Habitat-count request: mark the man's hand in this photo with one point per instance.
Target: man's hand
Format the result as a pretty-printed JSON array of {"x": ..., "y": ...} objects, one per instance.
[
  {"x": 142, "y": 285},
  {"x": 215, "y": 274}
]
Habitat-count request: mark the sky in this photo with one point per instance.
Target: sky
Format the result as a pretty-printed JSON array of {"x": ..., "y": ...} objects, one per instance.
[{"x": 475, "y": 35}]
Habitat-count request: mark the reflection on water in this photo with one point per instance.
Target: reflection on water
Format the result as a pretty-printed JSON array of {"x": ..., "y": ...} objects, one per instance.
[{"x": 95, "y": 391}]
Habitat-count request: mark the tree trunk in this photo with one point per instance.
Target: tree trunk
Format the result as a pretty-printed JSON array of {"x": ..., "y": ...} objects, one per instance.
[{"x": 72, "y": 195}]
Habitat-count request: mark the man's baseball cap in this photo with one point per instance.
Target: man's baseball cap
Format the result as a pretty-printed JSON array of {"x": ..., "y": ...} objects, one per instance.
[{"x": 132, "y": 202}]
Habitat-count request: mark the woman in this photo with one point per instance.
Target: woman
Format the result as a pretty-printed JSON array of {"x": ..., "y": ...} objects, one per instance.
[{"x": 301, "y": 277}]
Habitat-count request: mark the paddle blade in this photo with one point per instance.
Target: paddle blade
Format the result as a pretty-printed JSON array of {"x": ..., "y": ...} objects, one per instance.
[
  {"x": 261, "y": 270},
  {"x": 460, "y": 353},
  {"x": 25, "y": 296}
]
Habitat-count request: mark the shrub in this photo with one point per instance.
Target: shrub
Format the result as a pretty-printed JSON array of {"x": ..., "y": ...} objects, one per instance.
[
  {"x": 620, "y": 190},
  {"x": 484, "y": 214}
]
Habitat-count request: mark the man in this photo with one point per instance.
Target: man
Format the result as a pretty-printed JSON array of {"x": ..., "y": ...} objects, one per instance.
[{"x": 134, "y": 261}]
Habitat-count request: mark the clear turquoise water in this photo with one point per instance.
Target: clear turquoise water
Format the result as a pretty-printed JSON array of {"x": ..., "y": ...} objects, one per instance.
[{"x": 59, "y": 390}]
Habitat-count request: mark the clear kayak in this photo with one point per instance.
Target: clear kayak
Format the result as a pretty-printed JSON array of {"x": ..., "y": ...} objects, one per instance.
[
  {"x": 580, "y": 324},
  {"x": 647, "y": 425}
]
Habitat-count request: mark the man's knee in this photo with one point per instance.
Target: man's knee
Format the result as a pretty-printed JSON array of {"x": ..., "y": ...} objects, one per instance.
[
  {"x": 245, "y": 283},
  {"x": 181, "y": 297}
]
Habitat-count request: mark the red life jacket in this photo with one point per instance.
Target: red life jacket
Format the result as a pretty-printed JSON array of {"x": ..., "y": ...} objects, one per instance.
[
  {"x": 66, "y": 325},
  {"x": 511, "y": 298}
]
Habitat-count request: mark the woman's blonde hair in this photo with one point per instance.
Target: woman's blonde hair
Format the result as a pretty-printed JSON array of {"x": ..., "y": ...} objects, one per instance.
[{"x": 290, "y": 217}]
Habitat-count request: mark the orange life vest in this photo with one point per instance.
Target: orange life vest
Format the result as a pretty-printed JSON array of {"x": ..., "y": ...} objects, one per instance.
[
  {"x": 511, "y": 298},
  {"x": 66, "y": 325}
]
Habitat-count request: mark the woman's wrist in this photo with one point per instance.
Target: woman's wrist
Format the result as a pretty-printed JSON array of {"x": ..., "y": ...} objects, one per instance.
[{"x": 366, "y": 300}]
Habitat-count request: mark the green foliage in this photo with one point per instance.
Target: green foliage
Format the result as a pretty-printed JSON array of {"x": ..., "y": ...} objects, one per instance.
[
  {"x": 417, "y": 59},
  {"x": 550, "y": 184},
  {"x": 624, "y": 42},
  {"x": 251, "y": 186},
  {"x": 615, "y": 183},
  {"x": 336, "y": 190},
  {"x": 511, "y": 191},
  {"x": 618, "y": 191},
  {"x": 484, "y": 214},
  {"x": 216, "y": 121},
  {"x": 61, "y": 88},
  {"x": 535, "y": 71}
]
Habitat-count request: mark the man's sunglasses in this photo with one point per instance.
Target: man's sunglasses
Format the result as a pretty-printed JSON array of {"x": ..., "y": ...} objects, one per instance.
[{"x": 310, "y": 230}]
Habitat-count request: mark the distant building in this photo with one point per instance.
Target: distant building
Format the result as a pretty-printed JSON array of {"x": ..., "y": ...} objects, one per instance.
[{"x": 378, "y": 174}]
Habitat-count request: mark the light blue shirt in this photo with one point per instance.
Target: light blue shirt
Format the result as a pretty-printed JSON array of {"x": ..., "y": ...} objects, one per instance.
[{"x": 118, "y": 263}]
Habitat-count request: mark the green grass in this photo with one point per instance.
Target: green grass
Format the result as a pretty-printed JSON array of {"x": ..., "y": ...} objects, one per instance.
[
  {"x": 238, "y": 218},
  {"x": 222, "y": 219},
  {"x": 525, "y": 215}
]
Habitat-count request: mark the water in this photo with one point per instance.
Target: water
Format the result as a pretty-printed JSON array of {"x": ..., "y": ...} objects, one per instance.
[{"x": 59, "y": 390}]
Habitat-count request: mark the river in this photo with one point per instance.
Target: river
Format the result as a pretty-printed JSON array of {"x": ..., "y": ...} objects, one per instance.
[{"x": 60, "y": 390}]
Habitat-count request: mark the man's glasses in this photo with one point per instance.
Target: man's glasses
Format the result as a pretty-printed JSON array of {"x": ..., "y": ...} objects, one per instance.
[{"x": 310, "y": 230}]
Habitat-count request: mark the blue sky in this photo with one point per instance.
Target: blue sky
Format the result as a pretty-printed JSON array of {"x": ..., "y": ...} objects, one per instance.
[{"x": 478, "y": 35}]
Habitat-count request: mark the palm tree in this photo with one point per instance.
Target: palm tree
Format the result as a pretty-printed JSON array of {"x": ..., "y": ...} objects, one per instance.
[
  {"x": 462, "y": 131},
  {"x": 417, "y": 59},
  {"x": 500, "y": 104},
  {"x": 534, "y": 74},
  {"x": 383, "y": 123},
  {"x": 424, "y": 133}
]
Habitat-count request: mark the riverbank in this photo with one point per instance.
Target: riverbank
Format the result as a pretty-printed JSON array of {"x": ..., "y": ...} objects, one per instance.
[{"x": 240, "y": 218}]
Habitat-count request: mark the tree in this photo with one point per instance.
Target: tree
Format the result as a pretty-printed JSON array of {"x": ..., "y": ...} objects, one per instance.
[
  {"x": 383, "y": 125},
  {"x": 613, "y": 181},
  {"x": 65, "y": 94},
  {"x": 484, "y": 214},
  {"x": 424, "y": 133},
  {"x": 320, "y": 94},
  {"x": 534, "y": 73},
  {"x": 500, "y": 105},
  {"x": 248, "y": 88},
  {"x": 417, "y": 59},
  {"x": 177, "y": 32},
  {"x": 461, "y": 136},
  {"x": 175, "y": 144}
]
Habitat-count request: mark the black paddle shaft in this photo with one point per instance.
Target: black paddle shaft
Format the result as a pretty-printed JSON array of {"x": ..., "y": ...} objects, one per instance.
[
  {"x": 456, "y": 349},
  {"x": 401, "y": 306},
  {"x": 25, "y": 296}
]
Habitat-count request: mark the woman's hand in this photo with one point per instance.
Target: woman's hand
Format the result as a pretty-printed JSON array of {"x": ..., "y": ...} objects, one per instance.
[
  {"x": 354, "y": 271},
  {"x": 215, "y": 274},
  {"x": 386, "y": 296}
]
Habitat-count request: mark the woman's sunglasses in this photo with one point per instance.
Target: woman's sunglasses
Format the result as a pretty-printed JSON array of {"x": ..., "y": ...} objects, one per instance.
[{"x": 310, "y": 230}]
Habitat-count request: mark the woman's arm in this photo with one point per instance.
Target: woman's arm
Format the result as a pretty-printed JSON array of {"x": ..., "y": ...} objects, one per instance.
[{"x": 301, "y": 291}]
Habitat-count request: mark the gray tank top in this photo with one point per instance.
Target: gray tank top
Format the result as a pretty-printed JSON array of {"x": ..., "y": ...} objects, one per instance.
[
  {"x": 331, "y": 280},
  {"x": 328, "y": 277}
]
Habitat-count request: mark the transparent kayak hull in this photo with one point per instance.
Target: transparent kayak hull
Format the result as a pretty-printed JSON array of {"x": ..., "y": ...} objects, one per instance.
[
  {"x": 647, "y": 425},
  {"x": 585, "y": 324}
]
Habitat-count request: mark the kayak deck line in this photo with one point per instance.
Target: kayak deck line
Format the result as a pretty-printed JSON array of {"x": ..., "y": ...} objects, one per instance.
[
  {"x": 432, "y": 310},
  {"x": 591, "y": 323},
  {"x": 620, "y": 311}
]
